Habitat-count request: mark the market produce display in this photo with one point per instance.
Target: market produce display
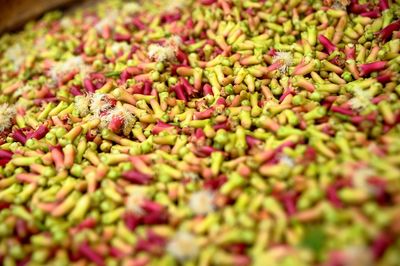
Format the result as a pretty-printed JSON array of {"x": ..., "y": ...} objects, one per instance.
[{"x": 209, "y": 132}]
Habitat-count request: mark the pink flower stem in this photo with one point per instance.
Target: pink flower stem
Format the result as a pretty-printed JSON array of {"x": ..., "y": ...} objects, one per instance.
[
  {"x": 89, "y": 253},
  {"x": 371, "y": 14},
  {"x": 252, "y": 141},
  {"x": 379, "y": 98},
  {"x": 368, "y": 68},
  {"x": 116, "y": 123},
  {"x": 136, "y": 177},
  {"x": 182, "y": 57},
  {"x": 357, "y": 8},
  {"x": 188, "y": 87},
  {"x": 207, "y": 2},
  {"x": 204, "y": 114},
  {"x": 285, "y": 93},
  {"x": 39, "y": 133},
  {"x": 89, "y": 86},
  {"x": 381, "y": 244},
  {"x": 19, "y": 136},
  {"x": 383, "y": 5},
  {"x": 74, "y": 90},
  {"x": 207, "y": 89},
  {"x": 5, "y": 154},
  {"x": 138, "y": 23},
  {"x": 350, "y": 52},
  {"x": 199, "y": 134},
  {"x": 384, "y": 77},
  {"x": 387, "y": 32},
  {"x": 341, "y": 110},
  {"x": 330, "y": 47},
  {"x": 179, "y": 92},
  {"x": 147, "y": 87},
  {"x": 160, "y": 126},
  {"x": 274, "y": 66},
  {"x": 122, "y": 38}
]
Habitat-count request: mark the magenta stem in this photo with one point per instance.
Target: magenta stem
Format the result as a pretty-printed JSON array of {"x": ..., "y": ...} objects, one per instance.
[
  {"x": 350, "y": 52},
  {"x": 171, "y": 17},
  {"x": 286, "y": 93},
  {"x": 138, "y": 23},
  {"x": 221, "y": 101},
  {"x": 87, "y": 223},
  {"x": 381, "y": 244},
  {"x": 206, "y": 150},
  {"x": 357, "y": 8},
  {"x": 383, "y": 5},
  {"x": 147, "y": 87},
  {"x": 89, "y": 86},
  {"x": 188, "y": 87},
  {"x": 131, "y": 221},
  {"x": 75, "y": 91},
  {"x": 252, "y": 141},
  {"x": 289, "y": 201},
  {"x": 387, "y": 32},
  {"x": 19, "y": 136},
  {"x": 179, "y": 92},
  {"x": 207, "y": 2},
  {"x": 379, "y": 98},
  {"x": 4, "y": 161},
  {"x": 372, "y": 67},
  {"x": 199, "y": 134},
  {"x": 116, "y": 123},
  {"x": 275, "y": 66},
  {"x": 371, "y": 14},
  {"x": 384, "y": 77},
  {"x": 341, "y": 110},
  {"x": 332, "y": 196},
  {"x": 223, "y": 125},
  {"x": 182, "y": 57},
  {"x": 330, "y": 47},
  {"x": 89, "y": 253},
  {"x": 5, "y": 154},
  {"x": 39, "y": 133},
  {"x": 151, "y": 206},
  {"x": 122, "y": 38},
  {"x": 136, "y": 177},
  {"x": 160, "y": 126},
  {"x": 204, "y": 114}
]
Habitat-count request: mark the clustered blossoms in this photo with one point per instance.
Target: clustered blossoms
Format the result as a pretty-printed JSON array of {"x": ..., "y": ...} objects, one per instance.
[{"x": 202, "y": 132}]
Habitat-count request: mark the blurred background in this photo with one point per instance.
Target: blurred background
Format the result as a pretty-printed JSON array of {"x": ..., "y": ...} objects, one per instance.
[{"x": 14, "y": 13}]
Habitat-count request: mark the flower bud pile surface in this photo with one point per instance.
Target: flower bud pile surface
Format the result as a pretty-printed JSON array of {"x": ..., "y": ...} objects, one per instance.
[{"x": 209, "y": 132}]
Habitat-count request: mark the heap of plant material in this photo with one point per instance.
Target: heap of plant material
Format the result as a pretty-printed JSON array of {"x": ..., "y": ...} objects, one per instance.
[{"x": 210, "y": 132}]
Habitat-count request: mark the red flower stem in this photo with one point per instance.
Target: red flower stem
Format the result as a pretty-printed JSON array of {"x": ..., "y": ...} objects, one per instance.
[
  {"x": 116, "y": 123},
  {"x": 341, "y": 110},
  {"x": 383, "y": 5},
  {"x": 204, "y": 114},
  {"x": 89, "y": 86},
  {"x": 89, "y": 253},
  {"x": 188, "y": 87},
  {"x": 387, "y": 32},
  {"x": 207, "y": 2},
  {"x": 330, "y": 47},
  {"x": 39, "y": 133},
  {"x": 371, "y": 14},
  {"x": 147, "y": 87},
  {"x": 179, "y": 92},
  {"x": 136, "y": 177},
  {"x": 19, "y": 136},
  {"x": 366, "y": 69},
  {"x": 5, "y": 154}
]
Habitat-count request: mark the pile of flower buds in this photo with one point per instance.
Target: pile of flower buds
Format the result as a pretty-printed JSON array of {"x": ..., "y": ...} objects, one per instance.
[{"x": 208, "y": 132}]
